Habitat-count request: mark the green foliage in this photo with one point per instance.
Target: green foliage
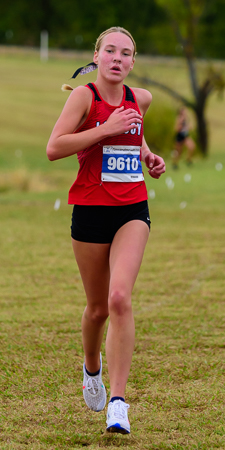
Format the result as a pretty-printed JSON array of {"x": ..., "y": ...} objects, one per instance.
[
  {"x": 184, "y": 18},
  {"x": 159, "y": 128},
  {"x": 212, "y": 30},
  {"x": 153, "y": 39},
  {"x": 76, "y": 26},
  {"x": 199, "y": 24},
  {"x": 71, "y": 25}
]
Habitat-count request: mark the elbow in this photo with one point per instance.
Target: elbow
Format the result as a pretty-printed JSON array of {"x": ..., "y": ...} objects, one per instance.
[{"x": 50, "y": 153}]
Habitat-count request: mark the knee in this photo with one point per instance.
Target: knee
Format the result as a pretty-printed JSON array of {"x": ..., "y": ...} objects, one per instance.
[
  {"x": 119, "y": 303},
  {"x": 97, "y": 316}
]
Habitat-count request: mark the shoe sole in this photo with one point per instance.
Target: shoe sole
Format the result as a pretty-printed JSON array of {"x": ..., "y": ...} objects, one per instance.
[{"x": 117, "y": 429}]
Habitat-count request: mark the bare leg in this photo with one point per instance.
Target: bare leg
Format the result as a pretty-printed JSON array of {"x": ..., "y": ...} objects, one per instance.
[
  {"x": 126, "y": 254},
  {"x": 93, "y": 263},
  {"x": 177, "y": 153},
  {"x": 189, "y": 143}
]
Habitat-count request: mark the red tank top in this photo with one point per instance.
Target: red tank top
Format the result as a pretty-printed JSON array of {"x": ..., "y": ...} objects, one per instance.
[{"x": 89, "y": 187}]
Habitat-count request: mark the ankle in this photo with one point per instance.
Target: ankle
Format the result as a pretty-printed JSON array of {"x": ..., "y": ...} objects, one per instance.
[
  {"x": 91, "y": 374},
  {"x": 116, "y": 398}
]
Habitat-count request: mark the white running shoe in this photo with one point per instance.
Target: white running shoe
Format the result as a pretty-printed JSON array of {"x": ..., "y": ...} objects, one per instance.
[
  {"x": 117, "y": 419},
  {"x": 94, "y": 390}
]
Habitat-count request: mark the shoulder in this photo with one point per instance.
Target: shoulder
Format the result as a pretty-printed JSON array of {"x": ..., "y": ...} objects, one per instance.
[
  {"x": 79, "y": 101},
  {"x": 144, "y": 98},
  {"x": 81, "y": 93}
]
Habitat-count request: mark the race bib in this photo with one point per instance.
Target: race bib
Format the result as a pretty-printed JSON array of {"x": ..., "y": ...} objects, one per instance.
[{"x": 121, "y": 164}]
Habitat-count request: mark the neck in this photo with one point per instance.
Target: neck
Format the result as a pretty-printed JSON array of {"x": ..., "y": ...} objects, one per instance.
[{"x": 111, "y": 93}]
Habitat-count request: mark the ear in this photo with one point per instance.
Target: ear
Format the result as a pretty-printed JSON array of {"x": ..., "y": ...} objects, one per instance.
[
  {"x": 95, "y": 59},
  {"x": 132, "y": 64}
]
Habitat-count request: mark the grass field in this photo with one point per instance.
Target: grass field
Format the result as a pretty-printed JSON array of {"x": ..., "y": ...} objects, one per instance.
[{"x": 176, "y": 386}]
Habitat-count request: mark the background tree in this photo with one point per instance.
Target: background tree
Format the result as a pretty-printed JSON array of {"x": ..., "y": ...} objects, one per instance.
[
  {"x": 74, "y": 24},
  {"x": 185, "y": 17}
]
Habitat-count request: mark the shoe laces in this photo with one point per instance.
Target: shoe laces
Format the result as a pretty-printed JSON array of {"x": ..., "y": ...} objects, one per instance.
[
  {"x": 120, "y": 409},
  {"x": 92, "y": 385}
]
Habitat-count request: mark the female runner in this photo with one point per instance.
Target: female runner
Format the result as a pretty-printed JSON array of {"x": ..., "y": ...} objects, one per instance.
[
  {"x": 102, "y": 123},
  {"x": 182, "y": 138}
]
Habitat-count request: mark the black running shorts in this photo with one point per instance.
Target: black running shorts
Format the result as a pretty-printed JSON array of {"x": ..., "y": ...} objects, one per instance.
[
  {"x": 181, "y": 136},
  {"x": 99, "y": 224}
]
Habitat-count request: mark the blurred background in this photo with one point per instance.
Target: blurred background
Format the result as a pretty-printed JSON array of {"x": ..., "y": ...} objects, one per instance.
[
  {"x": 75, "y": 25},
  {"x": 180, "y": 59}
]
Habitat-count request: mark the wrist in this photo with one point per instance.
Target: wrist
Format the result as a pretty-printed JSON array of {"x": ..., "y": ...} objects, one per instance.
[
  {"x": 145, "y": 155},
  {"x": 104, "y": 130}
]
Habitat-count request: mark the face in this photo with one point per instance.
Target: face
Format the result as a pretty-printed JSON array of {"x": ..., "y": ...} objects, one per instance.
[{"x": 115, "y": 57}]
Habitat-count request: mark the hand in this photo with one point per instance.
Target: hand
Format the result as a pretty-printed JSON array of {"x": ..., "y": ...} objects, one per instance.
[
  {"x": 123, "y": 120},
  {"x": 155, "y": 164}
]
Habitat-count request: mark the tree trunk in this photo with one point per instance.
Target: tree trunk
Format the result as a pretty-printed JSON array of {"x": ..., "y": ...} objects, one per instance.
[
  {"x": 200, "y": 95},
  {"x": 197, "y": 106},
  {"x": 202, "y": 132}
]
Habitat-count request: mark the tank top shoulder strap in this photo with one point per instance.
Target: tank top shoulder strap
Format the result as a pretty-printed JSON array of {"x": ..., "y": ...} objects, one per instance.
[
  {"x": 128, "y": 93},
  {"x": 129, "y": 97},
  {"x": 92, "y": 87}
]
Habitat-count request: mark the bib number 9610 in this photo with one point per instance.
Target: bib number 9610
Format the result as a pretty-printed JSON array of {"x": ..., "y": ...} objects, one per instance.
[
  {"x": 128, "y": 164},
  {"x": 121, "y": 164}
]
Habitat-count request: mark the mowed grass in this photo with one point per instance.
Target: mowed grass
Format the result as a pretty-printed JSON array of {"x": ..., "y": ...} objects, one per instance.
[{"x": 176, "y": 385}]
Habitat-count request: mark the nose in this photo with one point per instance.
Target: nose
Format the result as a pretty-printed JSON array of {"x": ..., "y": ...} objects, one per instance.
[{"x": 117, "y": 56}]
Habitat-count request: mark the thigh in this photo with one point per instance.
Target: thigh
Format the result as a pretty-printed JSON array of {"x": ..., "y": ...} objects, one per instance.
[
  {"x": 126, "y": 253},
  {"x": 93, "y": 263},
  {"x": 189, "y": 143},
  {"x": 179, "y": 146}
]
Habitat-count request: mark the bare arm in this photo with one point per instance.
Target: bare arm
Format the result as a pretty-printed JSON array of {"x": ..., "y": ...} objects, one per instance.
[
  {"x": 154, "y": 163},
  {"x": 64, "y": 142}
]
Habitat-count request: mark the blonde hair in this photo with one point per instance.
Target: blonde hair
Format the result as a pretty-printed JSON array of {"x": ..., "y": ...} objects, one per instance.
[{"x": 114, "y": 30}]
